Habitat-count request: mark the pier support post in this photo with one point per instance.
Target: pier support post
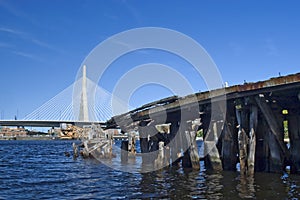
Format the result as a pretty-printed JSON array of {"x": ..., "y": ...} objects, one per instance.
[
  {"x": 212, "y": 156},
  {"x": 275, "y": 163},
  {"x": 229, "y": 145},
  {"x": 124, "y": 151},
  {"x": 75, "y": 150},
  {"x": 186, "y": 162},
  {"x": 241, "y": 116},
  {"x": 191, "y": 156},
  {"x": 160, "y": 161},
  {"x": 108, "y": 147},
  {"x": 278, "y": 150},
  {"x": 261, "y": 158},
  {"x": 131, "y": 144},
  {"x": 294, "y": 135},
  {"x": 146, "y": 131},
  {"x": 144, "y": 146},
  {"x": 252, "y": 138},
  {"x": 194, "y": 151},
  {"x": 246, "y": 114},
  {"x": 153, "y": 149},
  {"x": 174, "y": 144}
]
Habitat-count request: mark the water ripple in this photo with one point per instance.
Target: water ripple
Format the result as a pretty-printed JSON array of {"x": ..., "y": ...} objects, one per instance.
[{"x": 40, "y": 170}]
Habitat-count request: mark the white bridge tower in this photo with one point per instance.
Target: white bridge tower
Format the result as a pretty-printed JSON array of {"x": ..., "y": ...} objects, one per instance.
[{"x": 83, "y": 113}]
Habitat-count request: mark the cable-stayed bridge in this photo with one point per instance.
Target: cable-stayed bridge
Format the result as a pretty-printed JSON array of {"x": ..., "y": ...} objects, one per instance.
[{"x": 83, "y": 102}]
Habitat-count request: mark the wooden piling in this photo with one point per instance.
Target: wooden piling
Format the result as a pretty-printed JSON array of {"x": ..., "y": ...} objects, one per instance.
[
  {"x": 242, "y": 138},
  {"x": 144, "y": 147},
  {"x": 252, "y": 138},
  {"x": 294, "y": 136},
  {"x": 160, "y": 161},
  {"x": 211, "y": 153},
  {"x": 186, "y": 159},
  {"x": 186, "y": 163},
  {"x": 167, "y": 155},
  {"x": 175, "y": 141},
  {"x": 85, "y": 151},
  {"x": 229, "y": 146},
  {"x": 278, "y": 150},
  {"x": 272, "y": 122},
  {"x": 275, "y": 164},
  {"x": 124, "y": 151},
  {"x": 241, "y": 116},
  {"x": 185, "y": 137},
  {"x": 194, "y": 155},
  {"x": 108, "y": 147},
  {"x": 262, "y": 149},
  {"x": 75, "y": 150},
  {"x": 146, "y": 132},
  {"x": 131, "y": 144},
  {"x": 153, "y": 149},
  {"x": 191, "y": 156}
]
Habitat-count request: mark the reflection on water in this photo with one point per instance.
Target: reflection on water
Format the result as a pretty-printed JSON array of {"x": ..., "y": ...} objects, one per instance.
[
  {"x": 246, "y": 186},
  {"x": 173, "y": 183},
  {"x": 40, "y": 170}
]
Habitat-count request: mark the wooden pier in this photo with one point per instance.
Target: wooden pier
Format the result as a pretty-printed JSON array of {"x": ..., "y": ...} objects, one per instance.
[{"x": 243, "y": 125}]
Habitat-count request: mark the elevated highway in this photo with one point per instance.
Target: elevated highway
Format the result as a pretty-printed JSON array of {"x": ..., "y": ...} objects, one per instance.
[{"x": 44, "y": 123}]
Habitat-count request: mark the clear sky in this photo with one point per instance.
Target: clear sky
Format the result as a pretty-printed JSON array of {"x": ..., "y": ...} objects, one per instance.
[{"x": 43, "y": 43}]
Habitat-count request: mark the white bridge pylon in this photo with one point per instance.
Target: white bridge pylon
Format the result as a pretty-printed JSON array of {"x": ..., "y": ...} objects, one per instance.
[{"x": 83, "y": 100}]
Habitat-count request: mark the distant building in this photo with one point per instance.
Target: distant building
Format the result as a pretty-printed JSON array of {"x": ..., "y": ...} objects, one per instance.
[{"x": 13, "y": 132}]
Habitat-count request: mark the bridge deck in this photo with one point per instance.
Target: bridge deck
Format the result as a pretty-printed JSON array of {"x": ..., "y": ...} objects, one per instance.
[{"x": 43, "y": 123}]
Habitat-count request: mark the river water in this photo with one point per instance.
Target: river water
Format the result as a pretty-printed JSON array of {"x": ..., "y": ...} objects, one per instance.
[{"x": 40, "y": 170}]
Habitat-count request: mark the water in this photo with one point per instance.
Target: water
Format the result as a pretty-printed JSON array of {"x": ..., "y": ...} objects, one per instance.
[{"x": 40, "y": 170}]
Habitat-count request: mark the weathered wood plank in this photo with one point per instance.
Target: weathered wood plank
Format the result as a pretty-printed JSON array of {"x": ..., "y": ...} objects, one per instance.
[
  {"x": 273, "y": 124},
  {"x": 294, "y": 135},
  {"x": 276, "y": 161},
  {"x": 262, "y": 149},
  {"x": 175, "y": 141},
  {"x": 160, "y": 161},
  {"x": 124, "y": 151},
  {"x": 186, "y": 161},
  {"x": 191, "y": 155},
  {"x": 131, "y": 144},
  {"x": 252, "y": 139},
  {"x": 194, "y": 155},
  {"x": 241, "y": 117},
  {"x": 229, "y": 147},
  {"x": 144, "y": 144},
  {"x": 212, "y": 155},
  {"x": 75, "y": 150}
]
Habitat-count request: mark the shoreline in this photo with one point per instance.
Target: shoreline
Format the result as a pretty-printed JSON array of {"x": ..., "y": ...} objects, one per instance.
[{"x": 30, "y": 138}]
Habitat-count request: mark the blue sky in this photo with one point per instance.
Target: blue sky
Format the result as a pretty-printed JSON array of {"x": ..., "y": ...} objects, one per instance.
[{"x": 43, "y": 43}]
